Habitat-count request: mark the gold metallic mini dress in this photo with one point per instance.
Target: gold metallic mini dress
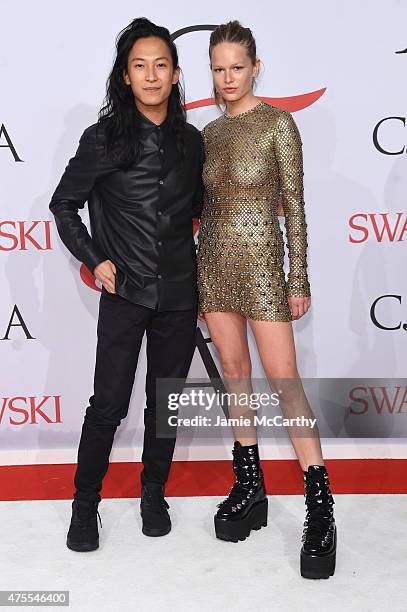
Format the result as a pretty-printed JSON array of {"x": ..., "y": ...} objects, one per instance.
[{"x": 251, "y": 161}]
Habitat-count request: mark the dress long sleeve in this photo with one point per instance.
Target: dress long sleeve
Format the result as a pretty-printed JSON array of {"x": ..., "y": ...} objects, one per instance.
[
  {"x": 71, "y": 194},
  {"x": 288, "y": 149}
]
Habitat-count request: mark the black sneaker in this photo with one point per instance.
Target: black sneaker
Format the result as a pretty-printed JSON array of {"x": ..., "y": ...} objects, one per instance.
[
  {"x": 83, "y": 534},
  {"x": 153, "y": 510}
]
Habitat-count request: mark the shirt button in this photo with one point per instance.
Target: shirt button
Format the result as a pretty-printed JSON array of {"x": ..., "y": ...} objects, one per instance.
[
  {"x": 161, "y": 182},
  {"x": 161, "y": 150},
  {"x": 159, "y": 243},
  {"x": 159, "y": 213},
  {"x": 159, "y": 276}
]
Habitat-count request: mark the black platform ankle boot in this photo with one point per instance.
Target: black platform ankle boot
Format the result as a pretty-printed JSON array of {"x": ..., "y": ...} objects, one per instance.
[
  {"x": 153, "y": 510},
  {"x": 83, "y": 534},
  {"x": 318, "y": 553},
  {"x": 245, "y": 508}
]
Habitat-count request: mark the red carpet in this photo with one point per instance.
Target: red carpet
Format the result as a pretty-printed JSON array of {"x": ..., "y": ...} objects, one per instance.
[{"x": 283, "y": 477}]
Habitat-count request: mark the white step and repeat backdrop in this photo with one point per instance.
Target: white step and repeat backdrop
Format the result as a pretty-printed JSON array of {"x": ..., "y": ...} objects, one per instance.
[{"x": 352, "y": 60}]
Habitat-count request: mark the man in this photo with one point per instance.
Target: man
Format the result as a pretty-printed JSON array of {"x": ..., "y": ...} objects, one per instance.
[{"x": 139, "y": 167}]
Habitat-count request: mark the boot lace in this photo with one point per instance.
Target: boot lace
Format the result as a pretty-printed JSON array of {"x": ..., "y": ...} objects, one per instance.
[
  {"x": 246, "y": 478},
  {"x": 236, "y": 496},
  {"x": 319, "y": 513}
]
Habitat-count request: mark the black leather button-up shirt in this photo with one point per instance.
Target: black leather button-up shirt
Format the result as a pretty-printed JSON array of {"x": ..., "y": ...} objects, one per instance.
[{"x": 140, "y": 218}]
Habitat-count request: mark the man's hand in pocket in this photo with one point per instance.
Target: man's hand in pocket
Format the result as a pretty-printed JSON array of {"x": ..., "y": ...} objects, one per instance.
[{"x": 106, "y": 273}]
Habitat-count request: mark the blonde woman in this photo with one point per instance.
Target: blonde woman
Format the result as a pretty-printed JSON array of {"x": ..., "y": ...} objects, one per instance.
[{"x": 253, "y": 163}]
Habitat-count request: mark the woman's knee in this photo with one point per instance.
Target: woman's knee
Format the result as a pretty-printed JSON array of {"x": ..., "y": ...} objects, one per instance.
[
  {"x": 282, "y": 370},
  {"x": 235, "y": 368}
]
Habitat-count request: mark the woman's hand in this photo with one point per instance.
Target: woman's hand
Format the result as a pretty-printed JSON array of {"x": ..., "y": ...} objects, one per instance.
[{"x": 298, "y": 306}]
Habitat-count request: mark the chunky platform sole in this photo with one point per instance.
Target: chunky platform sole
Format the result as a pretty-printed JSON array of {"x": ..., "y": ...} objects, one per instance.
[
  {"x": 239, "y": 530},
  {"x": 82, "y": 547},
  {"x": 315, "y": 567}
]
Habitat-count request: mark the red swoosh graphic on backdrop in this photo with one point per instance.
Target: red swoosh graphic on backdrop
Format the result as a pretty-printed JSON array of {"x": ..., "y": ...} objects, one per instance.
[
  {"x": 88, "y": 278},
  {"x": 289, "y": 103}
]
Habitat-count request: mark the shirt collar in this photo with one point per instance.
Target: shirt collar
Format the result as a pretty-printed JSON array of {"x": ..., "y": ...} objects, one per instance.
[{"x": 147, "y": 124}]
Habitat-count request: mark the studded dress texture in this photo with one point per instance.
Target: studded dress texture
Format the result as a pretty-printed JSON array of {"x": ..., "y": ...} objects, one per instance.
[{"x": 251, "y": 161}]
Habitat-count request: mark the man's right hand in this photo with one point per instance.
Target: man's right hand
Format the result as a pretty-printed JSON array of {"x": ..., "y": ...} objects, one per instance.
[{"x": 106, "y": 273}]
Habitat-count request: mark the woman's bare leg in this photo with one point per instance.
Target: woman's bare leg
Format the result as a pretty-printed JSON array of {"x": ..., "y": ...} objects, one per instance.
[
  {"x": 228, "y": 331},
  {"x": 276, "y": 347}
]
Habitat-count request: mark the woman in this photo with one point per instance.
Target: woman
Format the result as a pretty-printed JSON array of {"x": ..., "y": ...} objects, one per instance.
[{"x": 253, "y": 169}]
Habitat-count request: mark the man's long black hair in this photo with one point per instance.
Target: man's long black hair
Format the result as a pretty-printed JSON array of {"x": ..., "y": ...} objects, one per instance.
[{"x": 119, "y": 115}]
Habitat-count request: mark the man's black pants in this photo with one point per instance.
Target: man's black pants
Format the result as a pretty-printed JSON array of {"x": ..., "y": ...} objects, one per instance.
[{"x": 170, "y": 348}]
